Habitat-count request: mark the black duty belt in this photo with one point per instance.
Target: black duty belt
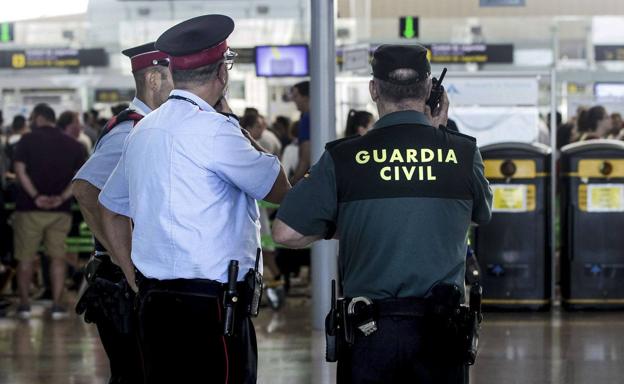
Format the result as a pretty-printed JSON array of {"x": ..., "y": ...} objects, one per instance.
[
  {"x": 404, "y": 306},
  {"x": 196, "y": 287},
  {"x": 408, "y": 307}
]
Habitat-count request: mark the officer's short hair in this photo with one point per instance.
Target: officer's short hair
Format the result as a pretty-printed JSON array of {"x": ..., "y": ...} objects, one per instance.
[
  {"x": 195, "y": 76},
  {"x": 395, "y": 92},
  {"x": 45, "y": 111},
  {"x": 139, "y": 76}
]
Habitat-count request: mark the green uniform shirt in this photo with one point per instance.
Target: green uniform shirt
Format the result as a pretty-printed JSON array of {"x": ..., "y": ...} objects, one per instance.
[{"x": 401, "y": 199}]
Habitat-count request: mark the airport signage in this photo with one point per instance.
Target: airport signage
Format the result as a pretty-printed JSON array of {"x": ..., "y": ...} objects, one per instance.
[
  {"x": 408, "y": 27},
  {"x": 354, "y": 58},
  {"x": 609, "y": 52},
  {"x": 53, "y": 58},
  {"x": 471, "y": 53},
  {"x": 7, "y": 32},
  {"x": 109, "y": 95},
  {"x": 492, "y": 91}
]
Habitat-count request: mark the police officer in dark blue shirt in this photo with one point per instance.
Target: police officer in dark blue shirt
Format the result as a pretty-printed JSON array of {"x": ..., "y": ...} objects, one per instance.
[{"x": 400, "y": 199}]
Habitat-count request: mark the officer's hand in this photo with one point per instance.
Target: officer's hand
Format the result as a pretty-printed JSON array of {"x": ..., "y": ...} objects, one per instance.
[
  {"x": 440, "y": 117},
  {"x": 133, "y": 286},
  {"x": 131, "y": 279}
]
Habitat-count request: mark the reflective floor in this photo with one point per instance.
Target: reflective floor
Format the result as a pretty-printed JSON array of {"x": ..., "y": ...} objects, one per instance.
[{"x": 556, "y": 347}]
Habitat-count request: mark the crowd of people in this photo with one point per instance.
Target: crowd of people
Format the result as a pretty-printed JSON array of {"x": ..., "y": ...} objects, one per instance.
[
  {"x": 288, "y": 140},
  {"x": 589, "y": 123},
  {"x": 51, "y": 161}
]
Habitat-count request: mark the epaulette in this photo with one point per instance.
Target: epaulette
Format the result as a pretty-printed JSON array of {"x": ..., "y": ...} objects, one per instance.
[
  {"x": 334, "y": 143},
  {"x": 230, "y": 116},
  {"x": 459, "y": 134}
]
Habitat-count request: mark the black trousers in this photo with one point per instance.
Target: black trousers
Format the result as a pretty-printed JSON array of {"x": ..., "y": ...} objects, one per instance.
[
  {"x": 182, "y": 342},
  {"x": 398, "y": 352},
  {"x": 123, "y": 349},
  {"x": 123, "y": 352}
]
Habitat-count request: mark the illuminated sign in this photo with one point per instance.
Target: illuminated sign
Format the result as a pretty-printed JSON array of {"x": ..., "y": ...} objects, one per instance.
[
  {"x": 53, "y": 58},
  {"x": 609, "y": 52},
  {"x": 471, "y": 53},
  {"x": 6, "y": 32},
  {"x": 408, "y": 27},
  {"x": 107, "y": 95}
]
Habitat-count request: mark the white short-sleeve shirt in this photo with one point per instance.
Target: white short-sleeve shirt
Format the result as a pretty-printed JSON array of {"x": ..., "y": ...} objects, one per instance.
[
  {"x": 189, "y": 179},
  {"x": 108, "y": 150}
]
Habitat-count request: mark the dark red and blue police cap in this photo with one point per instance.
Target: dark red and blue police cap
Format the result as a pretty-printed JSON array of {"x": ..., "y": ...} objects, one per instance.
[
  {"x": 389, "y": 57},
  {"x": 144, "y": 56},
  {"x": 197, "y": 42}
]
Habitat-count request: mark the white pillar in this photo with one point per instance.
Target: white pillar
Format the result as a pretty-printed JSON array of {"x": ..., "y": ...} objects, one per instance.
[{"x": 323, "y": 261}]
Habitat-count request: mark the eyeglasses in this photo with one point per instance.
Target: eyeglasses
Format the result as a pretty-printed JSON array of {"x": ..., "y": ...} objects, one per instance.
[{"x": 228, "y": 58}]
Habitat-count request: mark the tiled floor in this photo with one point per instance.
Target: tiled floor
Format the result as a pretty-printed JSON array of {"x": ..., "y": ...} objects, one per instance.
[{"x": 557, "y": 348}]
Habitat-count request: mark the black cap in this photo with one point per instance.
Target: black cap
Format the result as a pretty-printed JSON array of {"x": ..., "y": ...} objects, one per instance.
[
  {"x": 131, "y": 52},
  {"x": 195, "y": 35},
  {"x": 388, "y": 58}
]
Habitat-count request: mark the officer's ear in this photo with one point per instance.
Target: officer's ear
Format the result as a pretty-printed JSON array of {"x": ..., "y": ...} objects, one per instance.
[
  {"x": 153, "y": 80},
  {"x": 372, "y": 88},
  {"x": 222, "y": 73},
  {"x": 429, "y": 85}
]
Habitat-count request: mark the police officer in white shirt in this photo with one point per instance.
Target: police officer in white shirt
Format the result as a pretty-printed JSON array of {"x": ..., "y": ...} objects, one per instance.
[
  {"x": 153, "y": 85},
  {"x": 188, "y": 180}
]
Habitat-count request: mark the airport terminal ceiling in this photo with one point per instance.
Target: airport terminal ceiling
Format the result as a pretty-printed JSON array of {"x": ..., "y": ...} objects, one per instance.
[{"x": 579, "y": 38}]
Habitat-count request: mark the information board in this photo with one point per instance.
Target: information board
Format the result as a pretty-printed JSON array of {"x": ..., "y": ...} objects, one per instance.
[{"x": 53, "y": 58}]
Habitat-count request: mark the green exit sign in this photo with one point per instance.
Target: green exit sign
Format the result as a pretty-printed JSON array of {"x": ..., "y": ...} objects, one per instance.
[
  {"x": 6, "y": 32},
  {"x": 408, "y": 27}
]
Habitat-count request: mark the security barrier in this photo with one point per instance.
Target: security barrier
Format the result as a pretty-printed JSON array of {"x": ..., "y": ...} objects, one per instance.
[
  {"x": 513, "y": 248},
  {"x": 592, "y": 254}
]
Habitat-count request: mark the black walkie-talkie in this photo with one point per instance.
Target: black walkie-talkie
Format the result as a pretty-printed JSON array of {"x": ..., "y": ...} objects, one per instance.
[
  {"x": 436, "y": 92},
  {"x": 230, "y": 298},
  {"x": 254, "y": 287}
]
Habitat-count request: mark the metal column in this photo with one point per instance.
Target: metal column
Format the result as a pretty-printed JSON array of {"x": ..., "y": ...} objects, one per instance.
[
  {"x": 553, "y": 185},
  {"x": 323, "y": 261}
]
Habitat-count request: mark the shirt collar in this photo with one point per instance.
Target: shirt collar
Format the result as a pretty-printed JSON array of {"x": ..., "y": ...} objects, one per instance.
[
  {"x": 402, "y": 117},
  {"x": 140, "y": 107},
  {"x": 190, "y": 95}
]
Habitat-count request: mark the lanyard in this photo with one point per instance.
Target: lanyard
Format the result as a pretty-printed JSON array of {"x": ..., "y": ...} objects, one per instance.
[{"x": 178, "y": 97}]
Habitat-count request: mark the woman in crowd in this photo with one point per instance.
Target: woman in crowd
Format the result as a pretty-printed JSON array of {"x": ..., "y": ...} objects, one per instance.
[
  {"x": 594, "y": 123},
  {"x": 358, "y": 123}
]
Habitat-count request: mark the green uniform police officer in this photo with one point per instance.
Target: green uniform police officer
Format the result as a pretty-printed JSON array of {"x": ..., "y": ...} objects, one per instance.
[{"x": 400, "y": 199}]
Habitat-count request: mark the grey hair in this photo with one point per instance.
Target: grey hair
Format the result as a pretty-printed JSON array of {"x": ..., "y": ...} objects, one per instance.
[
  {"x": 414, "y": 88},
  {"x": 194, "y": 76}
]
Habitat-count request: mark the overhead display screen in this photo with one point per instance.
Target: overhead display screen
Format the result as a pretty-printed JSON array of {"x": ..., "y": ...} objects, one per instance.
[
  {"x": 282, "y": 61},
  {"x": 53, "y": 58},
  {"x": 609, "y": 52},
  {"x": 471, "y": 53}
]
